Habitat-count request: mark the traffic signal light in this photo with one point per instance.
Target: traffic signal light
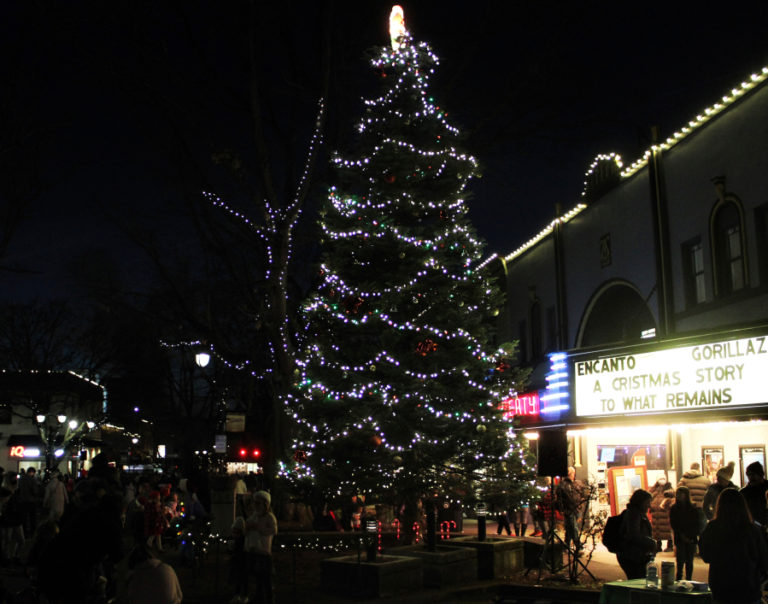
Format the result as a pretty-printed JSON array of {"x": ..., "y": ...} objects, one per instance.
[{"x": 249, "y": 453}]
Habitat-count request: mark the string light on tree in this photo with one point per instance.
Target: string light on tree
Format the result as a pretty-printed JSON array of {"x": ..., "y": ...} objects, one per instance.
[{"x": 397, "y": 377}]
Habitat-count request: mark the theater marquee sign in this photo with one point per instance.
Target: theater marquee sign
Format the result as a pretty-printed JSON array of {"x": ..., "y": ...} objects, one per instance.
[{"x": 705, "y": 376}]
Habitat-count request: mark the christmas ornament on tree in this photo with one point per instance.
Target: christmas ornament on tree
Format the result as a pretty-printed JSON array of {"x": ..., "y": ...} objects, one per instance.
[
  {"x": 425, "y": 347},
  {"x": 376, "y": 324}
]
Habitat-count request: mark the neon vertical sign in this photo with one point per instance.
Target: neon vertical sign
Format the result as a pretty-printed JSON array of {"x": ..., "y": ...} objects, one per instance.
[{"x": 523, "y": 405}]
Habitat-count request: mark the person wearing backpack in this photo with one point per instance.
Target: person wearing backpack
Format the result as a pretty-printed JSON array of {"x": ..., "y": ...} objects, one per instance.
[{"x": 636, "y": 546}]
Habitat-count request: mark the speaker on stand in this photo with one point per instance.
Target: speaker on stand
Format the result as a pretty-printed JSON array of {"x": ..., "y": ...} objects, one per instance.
[{"x": 553, "y": 453}]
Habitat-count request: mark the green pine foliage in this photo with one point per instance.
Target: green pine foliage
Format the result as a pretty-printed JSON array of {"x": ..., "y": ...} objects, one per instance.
[{"x": 398, "y": 387}]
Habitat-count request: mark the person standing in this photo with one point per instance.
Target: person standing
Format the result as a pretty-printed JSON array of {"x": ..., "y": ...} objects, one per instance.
[
  {"x": 663, "y": 498},
  {"x": 260, "y": 529},
  {"x": 241, "y": 491},
  {"x": 684, "y": 520},
  {"x": 502, "y": 517},
  {"x": 570, "y": 496},
  {"x": 735, "y": 550},
  {"x": 637, "y": 547},
  {"x": 12, "y": 522},
  {"x": 238, "y": 562},
  {"x": 723, "y": 481},
  {"x": 154, "y": 521},
  {"x": 755, "y": 491},
  {"x": 55, "y": 497},
  {"x": 696, "y": 483},
  {"x": 28, "y": 493},
  {"x": 521, "y": 518}
]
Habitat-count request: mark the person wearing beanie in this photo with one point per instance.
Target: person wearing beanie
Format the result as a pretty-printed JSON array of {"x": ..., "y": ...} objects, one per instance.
[
  {"x": 696, "y": 483},
  {"x": 755, "y": 491},
  {"x": 260, "y": 529},
  {"x": 723, "y": 482}
]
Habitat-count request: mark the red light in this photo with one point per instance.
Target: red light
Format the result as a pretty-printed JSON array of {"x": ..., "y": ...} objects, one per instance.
[
  {"x": 256, "y": 452},
  {"x": 243, "y": 452}
]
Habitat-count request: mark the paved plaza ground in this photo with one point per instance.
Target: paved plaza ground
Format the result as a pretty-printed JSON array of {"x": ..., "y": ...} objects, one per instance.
[{"x": 298, "y": 578}]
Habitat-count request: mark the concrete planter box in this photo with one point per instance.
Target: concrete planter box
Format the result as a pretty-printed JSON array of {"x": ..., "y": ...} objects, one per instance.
[
  {"x": 535, "y": 555},
  {"x": 496, "y": 558},
  {"x": 387, "y": 576},
  {"x": 445, "y": 566}
]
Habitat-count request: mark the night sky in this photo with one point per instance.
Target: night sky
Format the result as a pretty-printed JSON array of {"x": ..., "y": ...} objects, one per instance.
[{"x": 95, "y": 96}]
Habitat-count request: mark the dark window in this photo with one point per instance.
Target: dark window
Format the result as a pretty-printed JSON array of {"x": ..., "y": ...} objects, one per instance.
[
  {"x": 536, "y": 349},
  {"x": 551, "y": 329},
  {"x": 761, "y": 230},
  {"x": 693, "y": 272},
  {"x": 728, "y": 250},
  {"x": 6, "y": 414},
  {"x": 622, "y": 455},
  {"x": 522, "y": 330}
]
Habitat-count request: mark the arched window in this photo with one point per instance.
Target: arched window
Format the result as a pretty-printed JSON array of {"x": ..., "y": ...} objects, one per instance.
[{"x": 728, "y": 247}]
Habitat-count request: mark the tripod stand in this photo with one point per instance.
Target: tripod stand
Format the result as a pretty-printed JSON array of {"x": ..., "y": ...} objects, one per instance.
[{"x": 548, "y": 557}]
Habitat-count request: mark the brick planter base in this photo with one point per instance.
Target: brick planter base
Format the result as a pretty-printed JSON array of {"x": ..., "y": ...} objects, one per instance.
[
  {"x": 496, "y": 558},
  {"x": 445, "y": 566},
  {"x": 389, "y": 575}
]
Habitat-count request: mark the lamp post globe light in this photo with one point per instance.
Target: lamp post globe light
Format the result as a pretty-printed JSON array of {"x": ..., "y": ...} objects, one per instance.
[{"x": 202, "y": 359}]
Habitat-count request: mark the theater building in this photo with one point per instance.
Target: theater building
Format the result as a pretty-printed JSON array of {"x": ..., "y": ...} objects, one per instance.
[{"x": 643, "y": 308}]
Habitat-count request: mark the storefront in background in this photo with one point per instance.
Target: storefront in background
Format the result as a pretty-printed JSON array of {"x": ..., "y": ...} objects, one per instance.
[
  {"x": 28, "y": 451},
  {"x": 660, "y": 408}
]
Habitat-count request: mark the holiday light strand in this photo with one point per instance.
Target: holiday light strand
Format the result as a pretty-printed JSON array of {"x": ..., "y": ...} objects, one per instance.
[{"x": 702, "y": 118}]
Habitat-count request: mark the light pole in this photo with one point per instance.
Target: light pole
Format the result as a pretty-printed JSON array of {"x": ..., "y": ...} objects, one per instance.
[{"x": 50, "y": 428}]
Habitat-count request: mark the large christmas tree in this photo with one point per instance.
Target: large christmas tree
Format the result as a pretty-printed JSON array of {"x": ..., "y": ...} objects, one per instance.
[{"x": 399, "y": 387}]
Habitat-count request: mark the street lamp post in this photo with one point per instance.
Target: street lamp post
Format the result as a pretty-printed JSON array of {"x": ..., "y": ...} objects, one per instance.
[{"x": 50, "y": 428}]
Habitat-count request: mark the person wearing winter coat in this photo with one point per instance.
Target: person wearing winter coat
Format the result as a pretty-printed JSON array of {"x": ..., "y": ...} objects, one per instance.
[
  {"x": 696, "y": 483},
  {"x": 637, "y": 546},
  {"x": 12, "y": 521},
  {"x": 260, "y": 529},
  {"x": 663, "y": 497},
  {"x": 55, "y": 497},
  {"x": 735, "y": 550},
  {"x": 723, "y": 482},
  {"x": 684, "y": 520},
  {"x": 755, "y": 491},
  {"x": 150, "y": 580}
]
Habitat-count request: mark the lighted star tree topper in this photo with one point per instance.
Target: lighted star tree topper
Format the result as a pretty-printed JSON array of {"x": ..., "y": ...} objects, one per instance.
[{"x": 399, "y": 387}]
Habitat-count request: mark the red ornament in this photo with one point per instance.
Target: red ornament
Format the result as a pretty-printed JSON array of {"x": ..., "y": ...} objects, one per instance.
[
  {"x": 352, "y": 304},
  {"x": 389, "y": 177},
  {"x": 425, "y": 347},
  {"x": 502, "y": 367},
  {"x": 300, "y": 456}
]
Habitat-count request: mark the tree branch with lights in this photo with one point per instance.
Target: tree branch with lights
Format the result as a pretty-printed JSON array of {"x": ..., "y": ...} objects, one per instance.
[{"x": 398, "y": 390}]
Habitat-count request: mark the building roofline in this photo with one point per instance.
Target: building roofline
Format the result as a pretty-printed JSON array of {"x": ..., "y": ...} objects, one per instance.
[{"x": 726, "y": 101}]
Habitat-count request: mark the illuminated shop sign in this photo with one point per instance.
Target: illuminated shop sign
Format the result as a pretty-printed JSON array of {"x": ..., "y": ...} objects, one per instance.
[
  {"x": 705, "y": 376},
  {"x": 22, "y": 451},
  {"x": 522, "y": 405}
]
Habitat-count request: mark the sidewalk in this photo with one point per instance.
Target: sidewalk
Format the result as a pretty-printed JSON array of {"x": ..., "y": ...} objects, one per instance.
[{"x": 298, "y": 580}]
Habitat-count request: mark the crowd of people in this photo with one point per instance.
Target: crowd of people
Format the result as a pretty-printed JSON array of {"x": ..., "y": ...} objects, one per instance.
[
  {"x": 725, "y": 524},
  {"x": 69, "y": 533}
]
